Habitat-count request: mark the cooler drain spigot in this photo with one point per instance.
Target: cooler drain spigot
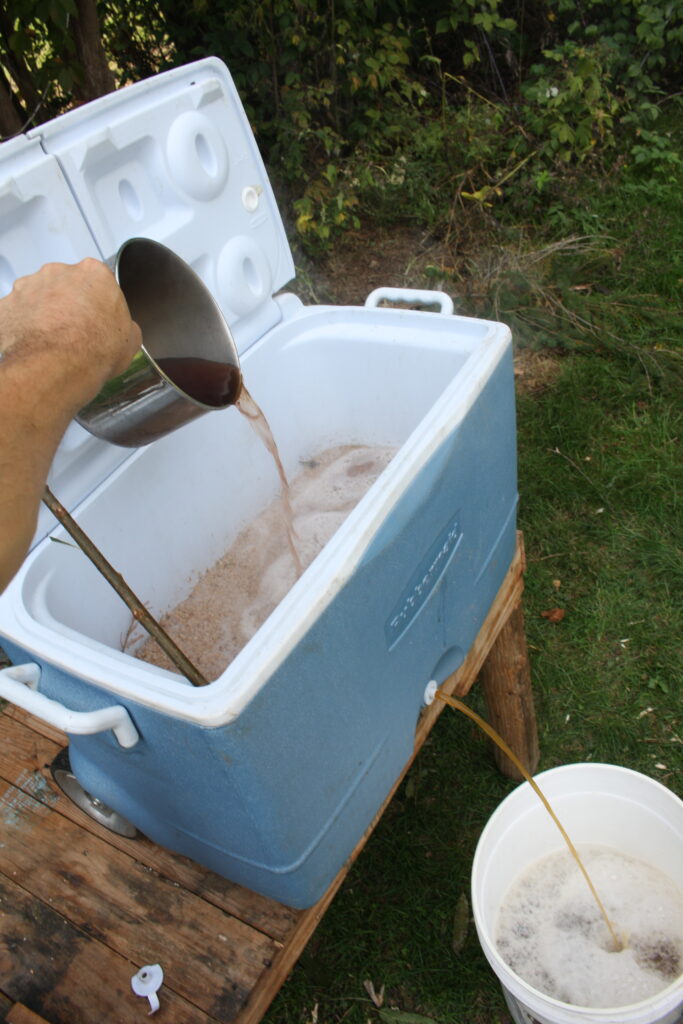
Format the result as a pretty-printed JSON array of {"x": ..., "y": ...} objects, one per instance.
[
  {"x": 430, "y": 692},
  {"x": 147, "y": 983}
]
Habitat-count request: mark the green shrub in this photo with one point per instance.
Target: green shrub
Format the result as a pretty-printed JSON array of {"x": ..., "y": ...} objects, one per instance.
[{"x": 397, "y": 108}]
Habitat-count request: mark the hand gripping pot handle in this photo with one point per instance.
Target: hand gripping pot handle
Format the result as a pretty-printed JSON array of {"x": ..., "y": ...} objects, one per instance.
[
  {"x": 19, "y": 685},
  {"x": 414, "y": 296}
]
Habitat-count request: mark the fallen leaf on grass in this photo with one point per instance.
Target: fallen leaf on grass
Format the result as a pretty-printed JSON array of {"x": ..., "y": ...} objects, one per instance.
[
  {"x": 461, "y": 923},
  {"x": 377, "y": 997},
  {"x": 554, "y": 614}
]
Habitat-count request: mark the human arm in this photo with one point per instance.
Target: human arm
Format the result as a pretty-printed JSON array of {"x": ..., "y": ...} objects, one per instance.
[{"x": 64, "y": 331}]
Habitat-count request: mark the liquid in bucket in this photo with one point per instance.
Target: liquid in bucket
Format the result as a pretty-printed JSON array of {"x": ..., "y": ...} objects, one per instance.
[{"x": 551, "y": 934}]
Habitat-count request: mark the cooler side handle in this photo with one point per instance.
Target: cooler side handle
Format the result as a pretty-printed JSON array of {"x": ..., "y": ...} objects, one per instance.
[
  {"x": 413, "y": 296},
  {"x": 18, "y": 684}
]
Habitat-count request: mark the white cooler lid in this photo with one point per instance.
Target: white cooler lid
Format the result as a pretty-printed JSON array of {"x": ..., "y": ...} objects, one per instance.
[
  {"x": 171, "y": 158},
  {"x": 40, "y": 223}
]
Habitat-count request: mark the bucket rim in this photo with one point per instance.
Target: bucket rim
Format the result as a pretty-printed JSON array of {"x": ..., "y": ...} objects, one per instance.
[{"x": 628, "y": 1013}]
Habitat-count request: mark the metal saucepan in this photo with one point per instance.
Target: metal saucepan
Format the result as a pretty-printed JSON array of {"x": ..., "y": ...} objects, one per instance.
[{"x": 188, "y": 363}]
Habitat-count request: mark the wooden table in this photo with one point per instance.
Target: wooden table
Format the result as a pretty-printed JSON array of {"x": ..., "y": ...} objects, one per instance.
[{"x": 81, "y": 909}]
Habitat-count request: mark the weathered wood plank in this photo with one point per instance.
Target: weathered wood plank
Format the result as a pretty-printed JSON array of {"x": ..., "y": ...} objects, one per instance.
[
  {"x": 37, "y": 725},
  {"x": 20, "y": 1014},
  {"x": 62, "y": 974},
  {"x": 24, "y": 761},
  {"x": 208, "y": 957}
]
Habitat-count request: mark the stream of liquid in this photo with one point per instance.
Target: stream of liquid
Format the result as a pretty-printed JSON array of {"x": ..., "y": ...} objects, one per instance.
[
  {"x": 250, "y": 579},
  {"x": 232, "y": 598},
  {"x": 218, "y": 385},
  {"x": 617, "y": 942},
  {"x": 254, "y": 414}
]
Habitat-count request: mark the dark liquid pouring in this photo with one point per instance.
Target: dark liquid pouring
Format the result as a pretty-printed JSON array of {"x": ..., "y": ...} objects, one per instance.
[
  {"x": 204, "y": 380},
  {"x": 251, "y": 411},
  {"x": 219, "y": 385}
]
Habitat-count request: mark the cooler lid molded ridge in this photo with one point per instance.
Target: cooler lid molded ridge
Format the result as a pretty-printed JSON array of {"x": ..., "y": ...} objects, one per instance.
[{"x": 173, "y": 158}]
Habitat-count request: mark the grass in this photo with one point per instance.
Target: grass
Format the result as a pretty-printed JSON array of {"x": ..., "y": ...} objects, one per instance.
[
  {"x": 601, "y": 485},
  {"x": 602, "y": 516}
]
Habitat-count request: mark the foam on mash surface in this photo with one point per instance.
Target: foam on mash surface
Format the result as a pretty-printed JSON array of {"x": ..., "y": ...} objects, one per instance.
[{"x": 235, "y": 596}]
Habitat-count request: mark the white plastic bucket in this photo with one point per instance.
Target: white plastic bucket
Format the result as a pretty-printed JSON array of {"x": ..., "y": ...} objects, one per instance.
[{"x": 598, "y": 804}]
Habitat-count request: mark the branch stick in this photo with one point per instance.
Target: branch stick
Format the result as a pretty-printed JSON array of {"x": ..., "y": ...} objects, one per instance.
[{"x": 137, "y": 608}]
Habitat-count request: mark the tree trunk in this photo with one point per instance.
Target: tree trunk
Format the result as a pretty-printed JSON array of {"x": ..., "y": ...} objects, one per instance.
[
  {"x": 17, "y": 68},
  {"x": 11, "y": 122},
  {"x": 97, "y": 75}
]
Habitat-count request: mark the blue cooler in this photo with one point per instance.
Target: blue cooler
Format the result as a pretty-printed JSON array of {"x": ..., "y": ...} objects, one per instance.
[{"x": 271, "y": 773}]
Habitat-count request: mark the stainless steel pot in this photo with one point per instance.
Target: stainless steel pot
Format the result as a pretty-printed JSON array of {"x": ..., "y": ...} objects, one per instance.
[{"x": 188, "y": 363}]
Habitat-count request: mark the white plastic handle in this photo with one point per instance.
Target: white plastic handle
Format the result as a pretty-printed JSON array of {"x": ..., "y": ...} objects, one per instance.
[
  {"x": 412, "y": 295},
  {"x": 19, "y": 685}
]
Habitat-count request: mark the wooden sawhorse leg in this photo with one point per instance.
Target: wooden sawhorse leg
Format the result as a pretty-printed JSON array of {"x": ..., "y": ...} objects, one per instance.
[{"x": 506, "y": 681}]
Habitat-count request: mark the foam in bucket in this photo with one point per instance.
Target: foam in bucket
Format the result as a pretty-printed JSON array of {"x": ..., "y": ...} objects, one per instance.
[
  {"x": 551, "y": 933},
  {"x": 631, "y": 828}
]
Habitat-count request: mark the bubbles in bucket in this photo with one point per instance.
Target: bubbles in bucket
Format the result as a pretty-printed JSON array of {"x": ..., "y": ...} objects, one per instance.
[{"x": 552, "y": 935}]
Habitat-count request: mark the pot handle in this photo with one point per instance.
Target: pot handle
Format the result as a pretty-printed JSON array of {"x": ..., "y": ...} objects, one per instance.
[
  {"x": 413, "y": 296},
  {"x": 19, "y": 685}
]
